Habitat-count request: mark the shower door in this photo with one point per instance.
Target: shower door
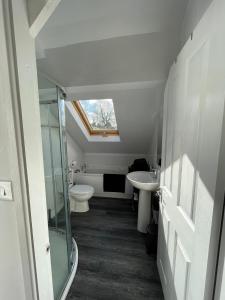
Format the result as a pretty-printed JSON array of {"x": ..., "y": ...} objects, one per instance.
[
  {"x": 64, "y": 159},
  {"x": 55, "y": 168}
]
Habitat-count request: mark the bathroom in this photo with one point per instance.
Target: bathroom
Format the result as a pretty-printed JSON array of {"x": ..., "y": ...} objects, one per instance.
[
  {"x": 96, "y": 182},
  {"x": 112, "y": 149},
  {"x": 99, "y": 157},
  {"x": 109, "y": 121}
]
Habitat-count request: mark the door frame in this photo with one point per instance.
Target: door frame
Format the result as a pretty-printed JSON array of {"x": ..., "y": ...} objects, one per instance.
[
  {"x": 219, "y": 251},
  {"x": 31, "y": 211}
]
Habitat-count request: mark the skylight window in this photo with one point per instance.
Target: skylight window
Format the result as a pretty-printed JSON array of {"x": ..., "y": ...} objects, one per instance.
[{"x": 98, "y": 116}]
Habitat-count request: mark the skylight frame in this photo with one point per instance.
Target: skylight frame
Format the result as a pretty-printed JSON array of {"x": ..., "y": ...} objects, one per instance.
[{"x": 102, "y": 132}]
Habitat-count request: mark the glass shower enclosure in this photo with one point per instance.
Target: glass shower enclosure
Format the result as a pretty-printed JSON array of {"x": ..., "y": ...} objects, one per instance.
[{"x": 55, "y": 168}]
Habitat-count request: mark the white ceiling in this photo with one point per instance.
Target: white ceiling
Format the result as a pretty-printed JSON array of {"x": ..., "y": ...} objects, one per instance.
[
  {"x": 144, "y": 57},
  {"x": 101, "y": 48},
  {"x": 136, "y": 108},
  {"x": 77, "y": 21},
  {"x": 89, "y": 42}
]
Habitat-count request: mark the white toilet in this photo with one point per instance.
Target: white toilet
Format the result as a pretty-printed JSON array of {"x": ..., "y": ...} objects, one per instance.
[{"x": 79, "y": 195}]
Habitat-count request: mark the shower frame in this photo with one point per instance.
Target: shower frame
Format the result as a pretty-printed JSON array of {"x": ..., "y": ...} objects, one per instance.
[{"x": 72, "y": 251}]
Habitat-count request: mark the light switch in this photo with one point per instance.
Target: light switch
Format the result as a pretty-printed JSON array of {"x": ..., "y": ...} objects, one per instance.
[{"x": 6, "y": 190}]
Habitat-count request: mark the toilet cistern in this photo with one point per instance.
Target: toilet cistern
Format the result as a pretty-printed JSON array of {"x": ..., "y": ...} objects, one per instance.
[{"x": 146, "y": 182}]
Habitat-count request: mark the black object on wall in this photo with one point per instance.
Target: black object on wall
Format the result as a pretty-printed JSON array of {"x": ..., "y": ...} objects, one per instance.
[
  {"x": 139, "y": 165},
  {"x": 114, "y": 183}
]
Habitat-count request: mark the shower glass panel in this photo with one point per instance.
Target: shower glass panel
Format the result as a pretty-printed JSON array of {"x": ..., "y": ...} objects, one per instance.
[{"x": 55, "y": 168}]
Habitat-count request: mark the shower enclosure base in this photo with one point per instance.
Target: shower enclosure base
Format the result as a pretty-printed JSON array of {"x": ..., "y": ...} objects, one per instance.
[{"x": 73, "y": 271}]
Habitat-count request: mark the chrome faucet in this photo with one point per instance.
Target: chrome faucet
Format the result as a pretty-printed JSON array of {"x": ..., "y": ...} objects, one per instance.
[
  {"x": 155, "y": 172},
  {"x": 83, "y": 167}
]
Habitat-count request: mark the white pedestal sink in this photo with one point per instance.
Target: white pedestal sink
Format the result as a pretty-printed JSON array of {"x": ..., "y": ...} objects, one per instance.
[{"x": 146, "y": 182}]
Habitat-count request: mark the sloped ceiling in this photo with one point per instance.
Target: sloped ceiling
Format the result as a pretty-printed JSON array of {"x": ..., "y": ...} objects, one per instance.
[
  {"x": 88, "y": 42},
  {"x": 78, "y": 21},
  {"x": 144, "y": 57},
  {"x": 95, "y": 43},
  {"x": 136, "y": 110}
]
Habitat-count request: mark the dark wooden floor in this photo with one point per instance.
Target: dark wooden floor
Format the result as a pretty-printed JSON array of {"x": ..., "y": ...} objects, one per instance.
[{"x": 112, "y": 263}]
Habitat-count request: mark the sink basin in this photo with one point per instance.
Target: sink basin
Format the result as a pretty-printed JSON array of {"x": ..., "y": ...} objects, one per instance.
[
  {"x": 143, "y": 180},
  {"x": 146, "y": 182}
]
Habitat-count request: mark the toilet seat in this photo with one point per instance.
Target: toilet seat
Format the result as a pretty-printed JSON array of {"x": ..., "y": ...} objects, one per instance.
[{"x": 81, "y": 189}]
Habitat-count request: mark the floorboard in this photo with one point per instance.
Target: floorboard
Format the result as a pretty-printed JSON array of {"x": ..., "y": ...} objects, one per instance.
[{"x": 113, "y": 263}]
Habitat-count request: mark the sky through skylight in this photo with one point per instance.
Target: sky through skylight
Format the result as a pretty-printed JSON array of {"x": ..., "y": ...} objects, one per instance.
[{"x": 100, "y": 113}]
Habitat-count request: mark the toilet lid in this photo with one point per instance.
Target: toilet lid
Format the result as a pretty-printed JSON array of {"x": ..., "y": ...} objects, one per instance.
[{"x": 81, "y": 189}]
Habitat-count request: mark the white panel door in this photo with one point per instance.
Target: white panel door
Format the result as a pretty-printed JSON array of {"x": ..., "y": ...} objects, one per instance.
[{"x": 193, "y": 114}]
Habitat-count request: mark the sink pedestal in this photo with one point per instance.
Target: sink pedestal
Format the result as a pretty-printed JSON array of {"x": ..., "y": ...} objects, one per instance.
[
  {"x": 144, "y": 210},
  {"x": 145, "y": 182}
]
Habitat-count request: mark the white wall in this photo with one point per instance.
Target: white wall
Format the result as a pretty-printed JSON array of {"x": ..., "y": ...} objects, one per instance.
[
  {"x": 11, "y": 270},
  {"x": 155, "y": 146},
  {"x": 118, "y": 162},
  {"x": 74, "y": 151},
  {"x": 153, "y": 149},
  {"x": 194, "y": 11},
  {"x": 28, "y": 121}
]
